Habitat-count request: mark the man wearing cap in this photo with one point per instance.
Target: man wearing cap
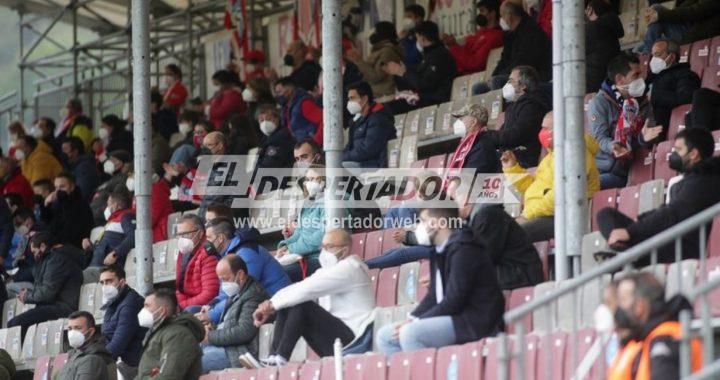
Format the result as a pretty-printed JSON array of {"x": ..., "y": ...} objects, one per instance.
[{"x": 475, "y": 150}]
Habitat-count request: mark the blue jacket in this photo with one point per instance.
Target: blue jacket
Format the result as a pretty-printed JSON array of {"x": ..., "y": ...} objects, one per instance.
[
  {"x": 121, "y": 328},
  {"x": 293, "y": 119},
  {"x": 412, "y": 55},
  {"x": 87, "y": 176},
  {"x": 368, "y": 137},
  {"x": 306, "y": 239},
  {"x": 400, "y": 216},
  {"x": 120, "y": 242}
]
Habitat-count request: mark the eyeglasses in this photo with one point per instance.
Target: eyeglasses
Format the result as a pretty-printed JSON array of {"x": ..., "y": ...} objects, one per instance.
[{"x": 187, "y": 233}]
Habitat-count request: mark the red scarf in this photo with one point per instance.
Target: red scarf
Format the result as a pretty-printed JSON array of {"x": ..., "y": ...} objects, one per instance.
[
  {"x": 630, "y": 122},
  {"x": 118, "y": 215},
  {"x": 457, "y": 161}
]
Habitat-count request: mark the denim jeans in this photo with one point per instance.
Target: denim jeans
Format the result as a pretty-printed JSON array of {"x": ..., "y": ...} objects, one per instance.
[
  {"x": 214, "y": 359},
  {"x": 611, "y": 181},
  {"x": 399, "y": 256},
  {"x": 432, "y": 332},
  {"x": 660, "y": 30}
]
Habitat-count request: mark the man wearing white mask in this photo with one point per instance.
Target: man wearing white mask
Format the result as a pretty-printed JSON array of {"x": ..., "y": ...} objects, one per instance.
[
  {"x": 464, "y": 303},
  {"x": 196, "y": 281},
  {"x": 475, "y": 149},
  {"x": 414, "y": 14},
  {"x": 118, "y": 236},
  {"x": 345, "y": 309},
  {"x": 276, "y": 144},
  {"x": 672, "y": 81},
  {"x": 236, "y": 334},
  {"x": 371, "y": 129},
  {"x": 88, "y": 359},
  {"x": 121, "y": 329},
  {"x": 171, "y": 348},
  {"x": 620, "y": 120}
]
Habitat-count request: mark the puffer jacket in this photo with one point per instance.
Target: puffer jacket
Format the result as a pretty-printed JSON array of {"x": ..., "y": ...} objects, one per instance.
[
  {"x": 238, "y": 335},
  {"x": 383, "y": 52},
  {"x": 121, "y": 327},
  {"x": 261, "y": 265},
  {"x": 537, "y": 189},
  {"x": 40, "y": 164},
  {"x": 702, "y": 16},
  {"x": 368, "y": 138},
  {"x": 92, "y": 361},
  {"x": 200, "y": 284},
  {"x": 172, "y": 349},
  {"x": 306, "y": 239},
  {"x": 160, "y": 209}
]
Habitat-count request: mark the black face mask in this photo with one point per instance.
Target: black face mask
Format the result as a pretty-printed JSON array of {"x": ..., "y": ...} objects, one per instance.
[
  {"x": 62, "y": 194},
  {"x": 210, "y": 249},
  {"x": 38, "y": 199},
  {"x": 481, "y": 20},
  {"x": 205, "y": 152},
  {"x": 623, "y": 320},
  {"x": 289, "y": 60},
  {"x": 676, "y": 162}
]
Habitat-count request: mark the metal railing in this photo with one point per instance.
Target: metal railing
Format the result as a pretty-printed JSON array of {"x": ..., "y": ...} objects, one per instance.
[{"x": 542, "y": 305}]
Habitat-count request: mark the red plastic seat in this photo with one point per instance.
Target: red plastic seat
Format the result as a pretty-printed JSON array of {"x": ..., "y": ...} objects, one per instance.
[
  {"x": 414, "y": 365},
  {"x": 642, "y": 166},
  {"x": 644, "y": 62},
  {"x": 685, "y": 53},
  {"x": 209, "y": 376},
  {"x": 558, "y": 341},
  {"x": 289, "y": 371},
  {"x": 585, "y": 339},
  {"x": 328, "y": 369},
  {"x": 714, "y": 61},
  {"x": 491, "y": 357},
  {"x": 712, "y": 268},
  {"x": 387, "y": 287},
  {"x": 238, "y": 374},
  {"x": 500, "y": 120},
  {"x": 373, "y": 244},
  {"x": 267, "y": 373},
  {"x": 714, "y": 239},
  {"x": 388, "y": 242},
  {"x": 423, "y": 273},
  {"x": 716, "y": 137},
  {"x": 531, "y": 358},
  {"x": 42, "y": 367},
  {"x": 58, "y": 362},
  {"x": 419, "y": 164},
  {"x": 629, "y": 201},
  {"x": 459, "y": 362},
  {"x": 518, "y": 297},
  {"x": 358, "y": 244},
  {"x": 677, "y": 120},
  {"x": 374, "y": 274},
  {"x": 699, "y": 55},
  {"x": 310, "y": 370},
  {"x": 364, "y": 367},
  {"x": 543, "y": 248},
  {"x": 437, "y": 162},
  {"x": 602, "y": 199},
  {"x": 662, "y": 165},
  {"x": 711, "y": 78}
]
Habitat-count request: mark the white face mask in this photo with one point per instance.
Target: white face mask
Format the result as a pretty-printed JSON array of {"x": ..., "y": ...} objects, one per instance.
[
  {"x": 636, "y": 88},
  {"x": 508, "y": 92},
  {"x": 184, "y": 128},
  {"x": 36, "y": 132},
  {"x": 419, "y": 47},
  {"x": 103, "y": 134},
  {"x": 249, "y": 67},
  {"x": 130, "y": 184},
  {"x": 354, "y": 107},
  {"x": 327, "y": 259},
  {"x": 604, "y": 321},
  {"x": 109, "y": 167},
  {"x": 146, "y": 318},
  {"x": 76, "y": 338},
  {"x": 459, "y": 128},
  {"x": 19, "y": 154},
  {"x": 107, "y": 213},
  {"x": 422, "y": 235},
  {"x": 231, "y": 288},
  {"x": 185, "y": 245},
  {"x": 504, "y": 25},
  {"x": 267, "y": 127},
  {"x": 22, "y": 230},
  {"x": 109, "y": 293},
  {"x": 657, "y": 65},
  {"x": 313, "y": 188},
  {"x": 407, "y": 24},
  {"x": 248, "y": 95}
]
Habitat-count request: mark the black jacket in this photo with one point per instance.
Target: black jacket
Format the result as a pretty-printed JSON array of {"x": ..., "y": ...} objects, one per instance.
[
  {"x": 526, "y": 45},
  {"x": 69, "y": 218},
  {"x": 696, "y": 192},
  {"x": 472, "y": 295},
  {"x": 602, "y": 43},
  {"x": 670, "y": 88},
  {"x": 120, "y": 139},
  {"x": 368, "y": 138},
  {"x": 306, "y": 76},
  {"x": 434, "y": 76},
  {"x": 501, "y": 237},
  {"x": 483, "y": 156},
  {"x": 7, "y": 229},
  {"x": 523, "y": 120},
  {"x": 87, "y": 176},
  {"x": 58, "y": 278},
  {"x": 121, "y": 327},
  {"x": 276, "y": 150},
  {"x": 701, "y": 16}
]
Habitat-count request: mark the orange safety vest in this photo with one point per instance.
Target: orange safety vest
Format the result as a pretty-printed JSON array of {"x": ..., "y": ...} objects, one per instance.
[{"x": 622, "y": 366}]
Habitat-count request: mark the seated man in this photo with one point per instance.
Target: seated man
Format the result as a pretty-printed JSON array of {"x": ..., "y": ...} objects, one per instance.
[
  {"x": 370, "y": 130},
  {"x": 476, "y": 149},
  {"x": 345, "y": 310},
  {"x": 307, "y": 152},
  {"x": 196, "y": 283},
  {"x": 472, "y": 56},
  {"x": 673, "y": 82},
  {"x": 66, "y": 214},
  {"x": 465, "y": 302},
  {"x": 82, "y": 166},
  {"x": 22, "y": 258},
  {"x": 171, "y": 349},
  {"x": 523, "y": 116},
  {"x": 117, "y": 238},
  {"x": 414, "y": 14},
  {"x": 689, "y": 21},
  {"x": 692, "y": 156},
  {"x": 300, "y": 114},
  {"x": 235, "y": 335},
  {"x": 121, "y": 305},
  {"x": 537, "y": 189},
  {"x": 58, "y": 279},
  {"x": 619, "y": 116},
  {"x": 654, "y": 331},
  {"x": 276, "y": 145},
  {"x": 88, "y": 358}
]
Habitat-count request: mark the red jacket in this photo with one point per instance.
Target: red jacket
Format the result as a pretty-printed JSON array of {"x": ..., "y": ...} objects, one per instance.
[
  {"x": 18, "y": 184},
  {"x": 160, "y": 208},
  {"x": 176, "y": 95},
  {"x": 224, "y": 104},
  {"x": 472, "y": 56},
  {"x": 201, "y": 283},
  {"x": 545, "y": 18}
]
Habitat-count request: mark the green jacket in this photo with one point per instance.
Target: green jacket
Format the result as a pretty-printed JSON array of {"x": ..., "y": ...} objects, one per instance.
[
  {"x": 173, "y": 348},
  {"x": 92, "y": 361},
  {"x": 702, "y": 17}
]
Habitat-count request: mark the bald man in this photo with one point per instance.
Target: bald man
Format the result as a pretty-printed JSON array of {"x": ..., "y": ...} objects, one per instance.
[
  {"x": 215, "y": 143},
  {"x": 345, "y": 310}
]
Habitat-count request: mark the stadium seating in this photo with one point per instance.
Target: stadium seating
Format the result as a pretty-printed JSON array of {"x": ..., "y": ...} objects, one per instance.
[
  {"x": 518, "y": 297},
  {"x": 629, "y": 201},
  {"x": 415, "y": 365},
  {"x": 373, "y": 244},
  {"x": 408, "y": 283},
  {"x": 641, "y": 169},
  {"x": 601, "y": 200},
  {"x": 459, "y": 362},
  {"x": 387, "y": 287},
  {"x": 662, "y": 166},
  {"x": 699, "y": 55},
  {"x": 677, "y": 121}
]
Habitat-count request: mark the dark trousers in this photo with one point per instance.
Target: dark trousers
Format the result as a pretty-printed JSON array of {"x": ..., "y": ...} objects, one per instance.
[
  {"x": 294, "y": 270},
  {"x": 705, "y": 110},
  {"x": 540, "y": 229},
  {"x": 312, "y": 322},
  {"x": 39, "y": 314}
]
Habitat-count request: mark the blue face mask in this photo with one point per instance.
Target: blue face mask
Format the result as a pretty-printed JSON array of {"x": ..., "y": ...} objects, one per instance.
[{"x": 281, "y": 100}]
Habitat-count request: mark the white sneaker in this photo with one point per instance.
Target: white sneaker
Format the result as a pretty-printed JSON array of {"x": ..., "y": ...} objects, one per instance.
[
  {"x": 249, "y": 362},
  {"x": 274, "y": 361}
]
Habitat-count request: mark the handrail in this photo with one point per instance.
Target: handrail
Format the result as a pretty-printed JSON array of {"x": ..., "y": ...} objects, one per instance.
[
  {"x": 636, "y": 252},
  {"x": 8, "y": 95}
]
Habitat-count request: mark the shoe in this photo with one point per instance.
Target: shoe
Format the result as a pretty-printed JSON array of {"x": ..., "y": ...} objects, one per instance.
[
  {"x": 274, "y": 361},
  {"x": 603, "y": 256},
  {"x": 249, "y": 362}
]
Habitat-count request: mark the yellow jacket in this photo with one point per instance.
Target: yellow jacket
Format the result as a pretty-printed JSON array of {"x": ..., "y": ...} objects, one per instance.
[
  {"x": 537, "y": 190},
  {"x": 40, "y": 164},
  {"x": 84, "y": 133}
]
